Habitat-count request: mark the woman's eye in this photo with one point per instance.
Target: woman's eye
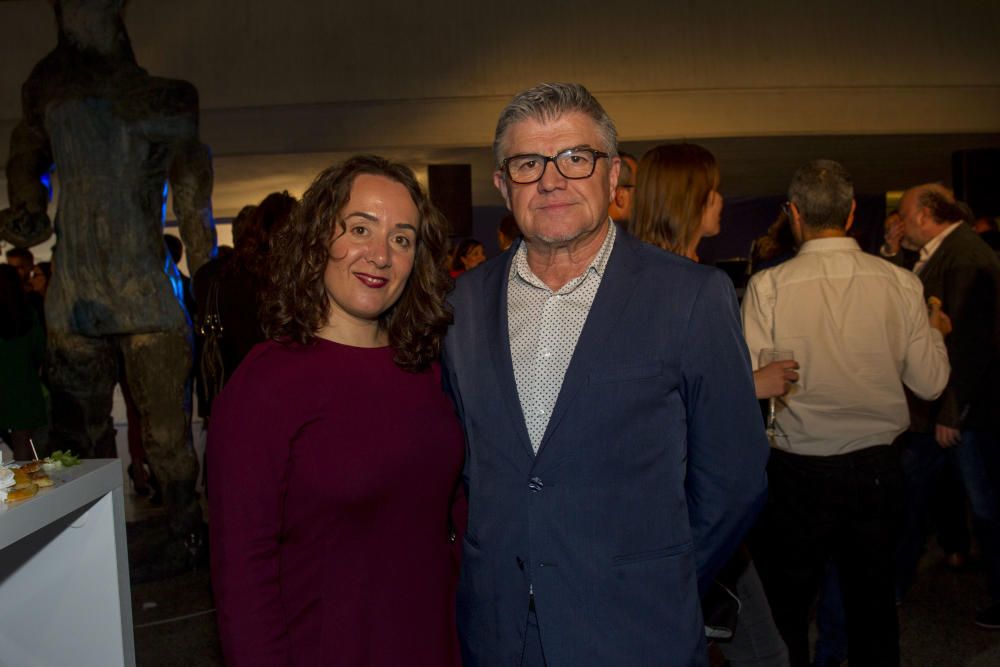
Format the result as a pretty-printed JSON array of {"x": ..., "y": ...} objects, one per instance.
[
  {"x": 359, "y": 230},
  {"x": 403, "y": 241}
]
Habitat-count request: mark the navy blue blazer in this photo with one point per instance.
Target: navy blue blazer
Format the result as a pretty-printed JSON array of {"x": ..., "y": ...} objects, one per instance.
[{"x": 649, "y": 474}]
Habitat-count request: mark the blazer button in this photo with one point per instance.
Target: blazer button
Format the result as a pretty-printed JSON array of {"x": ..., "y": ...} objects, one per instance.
[{"x": 535, "y": 484}]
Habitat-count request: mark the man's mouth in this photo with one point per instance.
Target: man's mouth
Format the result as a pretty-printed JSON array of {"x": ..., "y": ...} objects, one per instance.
[{"x": 555, "y": 206}]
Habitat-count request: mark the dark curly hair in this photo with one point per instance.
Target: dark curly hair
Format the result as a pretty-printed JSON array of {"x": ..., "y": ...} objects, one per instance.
[{"x": 296, "y": 306}]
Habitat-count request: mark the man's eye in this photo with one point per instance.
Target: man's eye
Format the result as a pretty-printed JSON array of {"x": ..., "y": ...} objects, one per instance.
[{"x": 527, "y": 165}]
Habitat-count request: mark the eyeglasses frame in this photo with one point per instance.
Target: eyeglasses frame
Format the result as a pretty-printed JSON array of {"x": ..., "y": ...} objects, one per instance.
[{"x": 505, "y": 165}]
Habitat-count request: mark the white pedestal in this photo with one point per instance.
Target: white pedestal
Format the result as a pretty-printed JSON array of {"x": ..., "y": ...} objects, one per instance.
[{"x": 64, "y": 582}]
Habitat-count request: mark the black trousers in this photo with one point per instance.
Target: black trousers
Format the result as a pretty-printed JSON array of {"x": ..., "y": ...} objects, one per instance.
[{"x": 847, "y": 508}]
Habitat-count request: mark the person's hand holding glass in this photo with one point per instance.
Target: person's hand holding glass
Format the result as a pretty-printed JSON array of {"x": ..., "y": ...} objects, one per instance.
[{"x": 775, "y": 369}]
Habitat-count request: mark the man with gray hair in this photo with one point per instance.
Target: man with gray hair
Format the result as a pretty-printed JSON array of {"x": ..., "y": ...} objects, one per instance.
[
  {"x": 959, "y": 430},
  {"x": 860, "y": 329},
  {"x": 615, "y": 451}
]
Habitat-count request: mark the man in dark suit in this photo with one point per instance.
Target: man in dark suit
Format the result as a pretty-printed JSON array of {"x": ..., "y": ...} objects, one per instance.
[
  {"x": 960, "y": 428},
  {"x": 615, "y": 454}
]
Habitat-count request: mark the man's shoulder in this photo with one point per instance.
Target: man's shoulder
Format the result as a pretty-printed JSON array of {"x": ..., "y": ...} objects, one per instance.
[
  {"x": 965, "y": 247},
  {"x": 654, "y": 259}
]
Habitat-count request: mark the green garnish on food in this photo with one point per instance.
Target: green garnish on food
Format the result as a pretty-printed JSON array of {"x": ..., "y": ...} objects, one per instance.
[{"x": 66, "y": 458}]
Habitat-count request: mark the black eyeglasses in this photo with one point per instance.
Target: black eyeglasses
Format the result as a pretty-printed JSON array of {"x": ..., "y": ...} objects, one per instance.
[{"x": 574, "y": 163}]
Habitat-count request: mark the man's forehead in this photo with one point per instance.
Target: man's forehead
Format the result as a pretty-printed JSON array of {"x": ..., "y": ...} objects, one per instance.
[
  {"x": 572, "y": 128},
  {"x": 906, "y": 199}
]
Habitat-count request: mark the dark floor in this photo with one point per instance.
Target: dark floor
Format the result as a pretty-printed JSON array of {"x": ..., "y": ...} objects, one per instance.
[{"x": 175, "y": 618}]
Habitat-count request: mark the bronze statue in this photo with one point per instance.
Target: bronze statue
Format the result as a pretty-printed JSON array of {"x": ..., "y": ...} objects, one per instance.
[{"x": 116, "y": 135}]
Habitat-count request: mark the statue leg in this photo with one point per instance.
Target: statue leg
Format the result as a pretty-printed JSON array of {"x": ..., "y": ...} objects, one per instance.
[
  {"x": 156, "y": 370},
  {"x": 82, "y": 374}
]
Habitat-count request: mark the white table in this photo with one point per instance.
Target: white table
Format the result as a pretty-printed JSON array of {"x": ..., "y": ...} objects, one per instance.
[{"x": 64, "y": 582}]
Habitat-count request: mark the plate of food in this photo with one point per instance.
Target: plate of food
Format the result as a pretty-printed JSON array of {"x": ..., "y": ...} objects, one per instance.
[{"x": 23, "y": 481}]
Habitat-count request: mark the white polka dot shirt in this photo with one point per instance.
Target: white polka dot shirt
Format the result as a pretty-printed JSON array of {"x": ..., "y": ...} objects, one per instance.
[{"x": 544, "y": 327}]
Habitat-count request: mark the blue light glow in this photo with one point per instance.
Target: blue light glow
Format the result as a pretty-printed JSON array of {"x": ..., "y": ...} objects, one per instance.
[{"x": 46, "y": 179}]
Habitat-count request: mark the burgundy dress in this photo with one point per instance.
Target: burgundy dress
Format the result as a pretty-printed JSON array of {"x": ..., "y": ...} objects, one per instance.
[{"x": 332, "y": 474}]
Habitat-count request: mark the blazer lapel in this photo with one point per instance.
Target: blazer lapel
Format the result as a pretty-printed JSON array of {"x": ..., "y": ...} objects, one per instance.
[
  {"x": 498, "y": 341},
  {"x": 617, "y": 286}
]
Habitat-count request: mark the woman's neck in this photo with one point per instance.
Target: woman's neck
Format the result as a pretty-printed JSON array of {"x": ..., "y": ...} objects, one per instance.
[
  {"x": 355, "y": 334},
  {"x": 692, "y": 249}
]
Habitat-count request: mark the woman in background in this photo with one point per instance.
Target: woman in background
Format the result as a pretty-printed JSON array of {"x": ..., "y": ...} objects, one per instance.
[
  {"x": 468, "y": 255},
  {"x": 334, "y": 454},
  {"x": 677, "y": 203}
]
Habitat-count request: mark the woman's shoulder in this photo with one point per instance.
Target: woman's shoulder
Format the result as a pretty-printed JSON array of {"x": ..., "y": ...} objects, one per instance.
[
  {"x": 273, "y": 374},
  {"x": 275, "y": 359}
]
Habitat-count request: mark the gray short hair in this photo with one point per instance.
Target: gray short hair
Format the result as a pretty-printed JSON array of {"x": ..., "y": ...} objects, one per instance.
[
  {"x": 548, "y": 101},
  {"x": 822, "y": 190}
]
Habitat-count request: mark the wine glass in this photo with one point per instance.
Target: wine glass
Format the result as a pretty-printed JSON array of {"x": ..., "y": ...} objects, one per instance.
[{"x": 768, "y": 355}]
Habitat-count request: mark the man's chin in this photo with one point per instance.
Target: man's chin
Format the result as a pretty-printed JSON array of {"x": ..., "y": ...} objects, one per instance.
[{"x": 563, "y": 236}]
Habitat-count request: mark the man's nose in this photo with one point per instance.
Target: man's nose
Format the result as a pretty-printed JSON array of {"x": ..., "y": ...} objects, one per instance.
[{"x": 551, "y": 178}]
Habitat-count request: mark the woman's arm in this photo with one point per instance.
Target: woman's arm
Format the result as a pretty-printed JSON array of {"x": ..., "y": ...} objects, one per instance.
[
  {"x": 248, "y": 459},
  {"x": 772, "y": 380}
]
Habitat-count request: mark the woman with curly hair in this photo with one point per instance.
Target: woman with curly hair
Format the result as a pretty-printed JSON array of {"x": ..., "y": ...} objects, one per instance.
[{"x": 334, "y": 455}]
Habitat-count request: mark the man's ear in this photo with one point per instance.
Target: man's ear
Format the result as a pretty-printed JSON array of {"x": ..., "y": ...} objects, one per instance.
[
  {"x": 795, "y": 221},
  {"x": 501, "y": 184},
  {"x": 621, "y": 198},
  {"x": 850, "y": 216},
  {"x": 616, "y": 167}
]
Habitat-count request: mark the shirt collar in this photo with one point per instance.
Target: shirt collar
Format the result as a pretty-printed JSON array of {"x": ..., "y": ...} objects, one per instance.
[
  {"x": 931, "y": 246},
  {"x": 597, "y": 265},
  {"x": 830, "y": 244}
]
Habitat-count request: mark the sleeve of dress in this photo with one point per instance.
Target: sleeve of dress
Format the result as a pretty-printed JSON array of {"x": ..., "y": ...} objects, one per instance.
[
  {"x": 249, "y": 443},
  {"x": 726, "y": 448}
]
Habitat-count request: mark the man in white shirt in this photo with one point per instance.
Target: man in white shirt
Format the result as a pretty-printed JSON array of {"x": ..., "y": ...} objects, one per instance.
[{"x": 859, "y": 327}]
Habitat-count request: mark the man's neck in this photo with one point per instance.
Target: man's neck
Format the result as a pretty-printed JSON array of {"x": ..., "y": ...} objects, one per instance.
[
  {"x": 556, "y": 265},
  {"x": 813, "y": 234},
  {"x": 937, "y": 230}
]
